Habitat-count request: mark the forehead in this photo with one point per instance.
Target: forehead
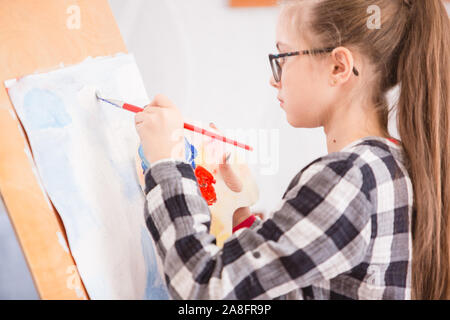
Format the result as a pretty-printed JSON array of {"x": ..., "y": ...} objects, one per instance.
[{"x": 291, "y": 25}]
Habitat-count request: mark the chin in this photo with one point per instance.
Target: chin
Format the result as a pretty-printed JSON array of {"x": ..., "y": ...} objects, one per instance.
[{"x": 296, "y": 123}]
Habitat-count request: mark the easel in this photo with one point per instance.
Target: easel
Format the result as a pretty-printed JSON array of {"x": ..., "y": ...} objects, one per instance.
[{"x": 37, "y": 36}]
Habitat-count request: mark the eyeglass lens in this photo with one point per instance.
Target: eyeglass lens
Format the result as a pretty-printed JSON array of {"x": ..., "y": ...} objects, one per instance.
[{"x": 276, "y": 70}]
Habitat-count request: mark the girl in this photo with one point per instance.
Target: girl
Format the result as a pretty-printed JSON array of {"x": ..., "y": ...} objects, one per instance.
[{"x": 367, "y": 221}]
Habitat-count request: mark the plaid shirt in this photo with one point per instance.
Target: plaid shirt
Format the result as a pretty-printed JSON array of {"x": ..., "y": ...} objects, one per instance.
[{"x": 341, "y": 231}]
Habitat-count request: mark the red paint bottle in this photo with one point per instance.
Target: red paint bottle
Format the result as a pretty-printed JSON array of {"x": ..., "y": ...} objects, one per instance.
[{"x": 205, "y": 181}]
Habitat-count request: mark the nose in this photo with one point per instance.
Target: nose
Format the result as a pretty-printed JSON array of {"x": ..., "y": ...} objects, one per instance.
[{"x": 273, "y": 83}]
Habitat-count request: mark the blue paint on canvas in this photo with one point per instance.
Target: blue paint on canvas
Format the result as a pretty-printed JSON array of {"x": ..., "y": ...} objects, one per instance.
[
  {"x": 46, "y": 109},
  {"x": 154, "y": 289}
]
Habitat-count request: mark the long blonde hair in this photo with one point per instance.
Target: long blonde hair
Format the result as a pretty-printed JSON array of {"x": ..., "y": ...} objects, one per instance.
[{"x": 412, "y": 48}]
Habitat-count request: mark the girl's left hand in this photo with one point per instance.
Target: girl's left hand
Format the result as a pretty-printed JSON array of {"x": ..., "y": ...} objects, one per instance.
[{"x": 160, "y": 128}]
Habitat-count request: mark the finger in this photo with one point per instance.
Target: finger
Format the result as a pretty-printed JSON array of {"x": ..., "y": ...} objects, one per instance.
[
  {"x": 240, "y": 215},
  {"x": 243, "y": 211},
  {"x": 230, "y": 178},
  {"x": 149, "y": 108},
  {"x": 138, "y": 118},
  {"x": 216, "y": 130},
  {"x": 139, "y": 128},
  {"x": 161, "y": 101},
  {"x": 141, "y": 117}
]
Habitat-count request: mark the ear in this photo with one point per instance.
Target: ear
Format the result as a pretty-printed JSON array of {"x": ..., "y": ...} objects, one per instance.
[{"x": 342, "y": 65}]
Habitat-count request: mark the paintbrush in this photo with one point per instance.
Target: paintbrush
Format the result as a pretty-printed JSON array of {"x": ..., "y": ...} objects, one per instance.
[{"x": 123, "y": 105}]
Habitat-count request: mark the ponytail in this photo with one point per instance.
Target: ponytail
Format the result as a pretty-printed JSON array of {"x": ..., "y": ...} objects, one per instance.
[{"x": 423, "y": 125}]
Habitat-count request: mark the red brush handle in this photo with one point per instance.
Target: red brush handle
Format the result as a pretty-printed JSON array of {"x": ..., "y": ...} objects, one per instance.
[
  {"x": 191, "y": 127},
  {"x": 132, "y": 108},
  {"x": 216, "y": 136}
]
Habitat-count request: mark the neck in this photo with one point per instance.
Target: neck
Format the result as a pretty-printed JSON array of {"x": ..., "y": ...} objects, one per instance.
[{"x": 350, "y": 123}]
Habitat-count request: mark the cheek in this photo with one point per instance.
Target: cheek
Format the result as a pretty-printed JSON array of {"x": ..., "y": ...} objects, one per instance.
[{"x": 304, "y": 100}]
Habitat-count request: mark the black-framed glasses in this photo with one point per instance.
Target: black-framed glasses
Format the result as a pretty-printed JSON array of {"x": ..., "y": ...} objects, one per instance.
[{"x": 276, "y": 67}]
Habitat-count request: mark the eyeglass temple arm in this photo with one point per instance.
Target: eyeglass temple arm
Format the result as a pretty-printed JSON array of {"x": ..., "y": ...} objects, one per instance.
[
  {"x": 315, "y": 51},
  {"x": 330, "y": 49}
]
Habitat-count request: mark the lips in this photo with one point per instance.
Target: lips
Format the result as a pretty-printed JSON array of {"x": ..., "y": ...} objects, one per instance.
[{"x": 281, "y": 101}]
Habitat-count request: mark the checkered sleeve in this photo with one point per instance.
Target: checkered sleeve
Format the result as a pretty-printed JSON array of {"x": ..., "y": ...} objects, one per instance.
[{"x": 321, "y": 229}]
